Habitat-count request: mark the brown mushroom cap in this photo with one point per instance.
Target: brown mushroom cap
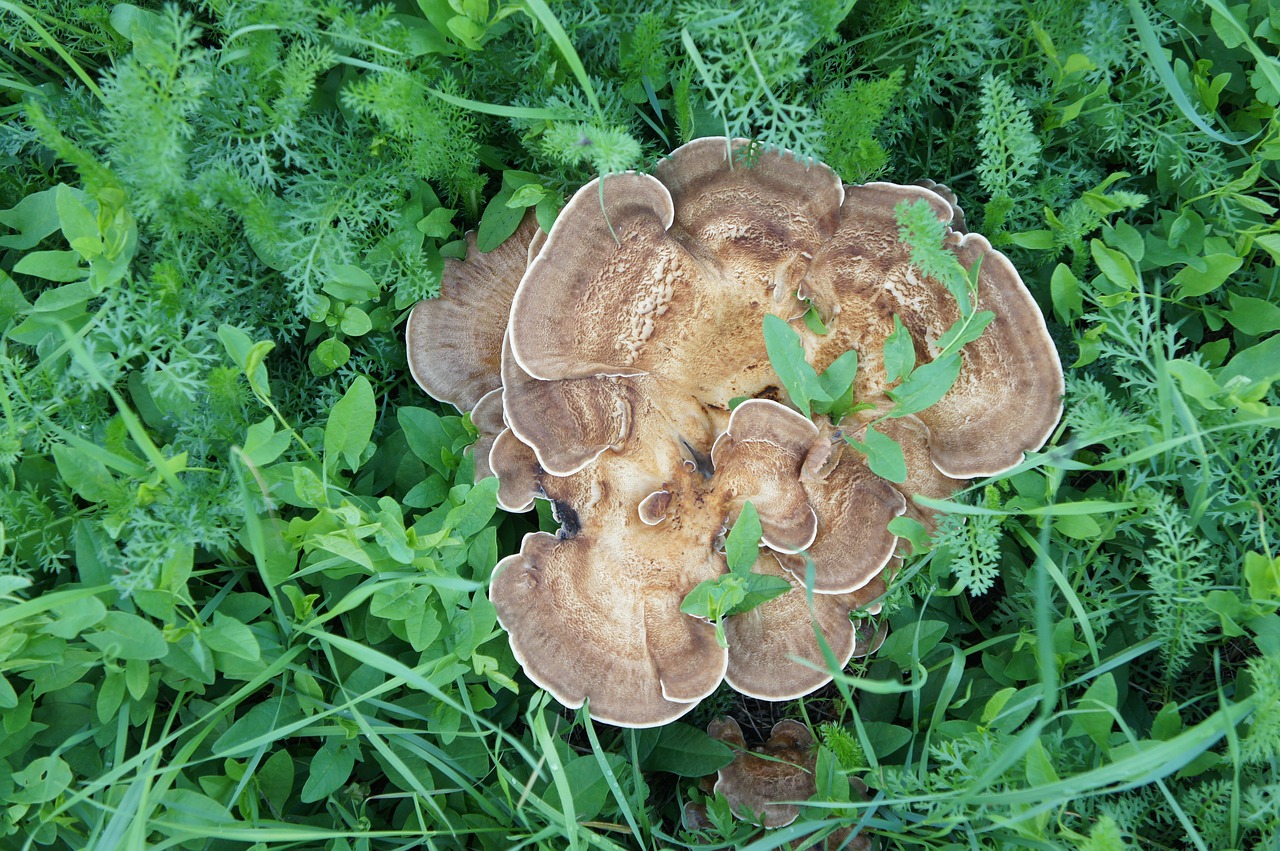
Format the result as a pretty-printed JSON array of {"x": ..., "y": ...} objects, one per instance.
[
  {"x": 599, "y": 618},
  {"x": 486, "y": 416},
  {"x": 761, "y": 784},
  {"x": 454, "y": 341},
  {"x": 636, "y": 320},
  {"x": 756, "y": 224},
  {"x": 684, "y": 305},
  {"x": 759, "y": 459},
  {"x": 518, "y": 471},
  {"x": 1009, "y": 394},
  {"x": 567, "y": 423},
  {"x": 943, "y": 191},
  {"x": 765, "y": 642},
  {"x": 854, "y": 507}
]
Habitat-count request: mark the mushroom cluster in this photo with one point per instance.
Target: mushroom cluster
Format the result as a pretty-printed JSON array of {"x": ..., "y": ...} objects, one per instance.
[{"x": 600, "y": 363}]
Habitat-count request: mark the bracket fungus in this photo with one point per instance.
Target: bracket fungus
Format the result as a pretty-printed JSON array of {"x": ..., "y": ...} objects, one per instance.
[
  {"x": 767, "y": 786},
  {"x": 620, "y": 343}
]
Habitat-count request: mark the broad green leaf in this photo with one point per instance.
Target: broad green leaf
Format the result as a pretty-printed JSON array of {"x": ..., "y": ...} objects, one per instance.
[
  {"x": 1064, "y": 289},
  {"x": 758, "y": 589},
  {"x": 330, "y": 768},
  {"x": 813, "y": 321},
  {"x": 192, "y": 809},
  {"x": 527, "y": 196},
  {"x": 899, "y": 352},
  {"x": 886, "y": 738},
  {"x": 350, "y": 424},
  {"x": 1115, "y": 267},
  {"x": 681, "y": 749},
  {"x": 476, "y": 510},
  {"x": 85, "y": 475},
  {"x": 258, "y": 724},
  {"x": 742, "y": 546},
  {"x": 915, "y": 532},
  {"x": 34, "y": 218},
  {"x": 1094, "y": 719},
  {"x": 912, "y": 642},
  {"x": 78, "y": 222},
  {"x": 275, "y": 778},
  {"x": 263, "y": 444},
  {"x": 427, "y": 437},
  {"x": 228, "y": 635},
  {"x": 996, "y": 703},
  {"x": 248, "y": 355},
  {"x": 711, "y": 598},
  {"x": 1196, "y": 382},
  {"x": 837, "y": 382},
  {"x": 351, "y": 284},
  {"x": 41, "y": 780},
  {"x": 1039, "y": 768},
  {"x": 498, "y": 222},
  {"x": 884, "y": 455},
  {"x": 121, "y": 635},
  {"x": 355, "y": 322},
  {"x": 1192, "y": 282},
  {"x": 1167, "y": 723},
  {"x": 1251, "y": 371},
  {"x": 1253, "y": 316},
  {"x": 1263, "y": 576},
  {"x": 963, "y": 332},
  {"x": 786, "y": 355},
  {"x": 1081, "y": 527},
  {"x": 110, "y": 695},
  {"x": 925, "y": 386},
  {"x": 63, "y": 266},
  {"x": 438, "y": 223},
  {"x": 74, "y": 616}
]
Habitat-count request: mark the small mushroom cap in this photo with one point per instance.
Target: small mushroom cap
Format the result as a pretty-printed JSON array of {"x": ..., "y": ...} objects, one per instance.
[
  {"x": 600, "y": 619},
  {"x": 759, "y": 459},
  {"x": 1008, "y": 398},
  {"x": 854, "y": 507},
  {"x": 454, "y": 341},
  {"x": 765, "y": 642},
  {"x": 653, "y": 508},
  {"x": 758, "y": 784},
  {"x": 869, "y": 636},
  {"x": 518, "y": 471},
  {"x": 923, "y": 477},
  {"x": 486, "y": 416}
]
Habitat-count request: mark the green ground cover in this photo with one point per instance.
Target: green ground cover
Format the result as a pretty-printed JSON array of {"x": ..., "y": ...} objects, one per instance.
[{"x": 243, "y": 558}]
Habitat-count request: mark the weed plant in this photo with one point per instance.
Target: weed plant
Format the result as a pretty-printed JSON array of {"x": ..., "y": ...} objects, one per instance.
[{"x": 243, "y": 559}]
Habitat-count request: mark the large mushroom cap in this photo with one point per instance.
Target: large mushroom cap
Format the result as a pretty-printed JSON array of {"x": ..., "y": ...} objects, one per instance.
[
  {"x": 454, "y": 341},
  {"x": 635, "y": 324},
  {"x": 1009, "y": 394}
]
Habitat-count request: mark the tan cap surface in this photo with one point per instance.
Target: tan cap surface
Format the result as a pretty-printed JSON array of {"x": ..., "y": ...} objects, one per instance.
[{"x": 454, "y": 341}]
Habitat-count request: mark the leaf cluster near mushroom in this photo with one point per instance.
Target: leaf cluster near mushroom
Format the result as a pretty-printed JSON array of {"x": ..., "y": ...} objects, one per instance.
[{"x": 631, "y": 346}]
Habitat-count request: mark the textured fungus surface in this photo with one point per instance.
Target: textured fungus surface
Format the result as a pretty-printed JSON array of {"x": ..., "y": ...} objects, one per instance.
[{"x": 620, "y": 339}]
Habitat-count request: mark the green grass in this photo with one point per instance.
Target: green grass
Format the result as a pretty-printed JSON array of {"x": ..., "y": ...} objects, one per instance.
[{"x": 243, "y": 560}]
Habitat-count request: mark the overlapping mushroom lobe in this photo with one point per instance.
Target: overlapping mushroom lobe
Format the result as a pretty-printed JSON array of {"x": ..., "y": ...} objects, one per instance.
[
  {"x": 1008, "y": 395},
  {"x": 598, "y": 617}
]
